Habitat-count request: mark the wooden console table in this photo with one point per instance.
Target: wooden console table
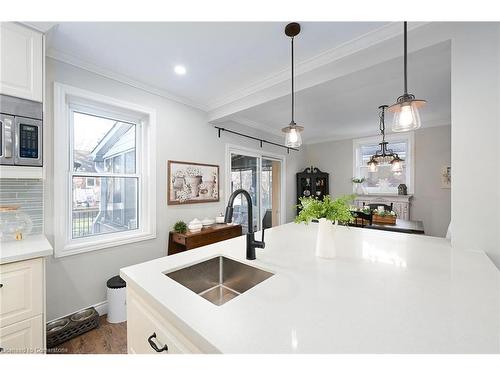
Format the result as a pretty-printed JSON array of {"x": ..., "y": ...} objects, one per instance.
[{"x": 178, "y": 242}]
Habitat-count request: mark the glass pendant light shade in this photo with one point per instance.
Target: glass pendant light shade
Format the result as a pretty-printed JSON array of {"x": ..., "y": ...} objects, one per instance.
[
  {"x": 396, "y": 164},
  {"x": 406, "y": 115},
  {"x": 373, "y": 165},
  {"x": 292, "y": 135}
]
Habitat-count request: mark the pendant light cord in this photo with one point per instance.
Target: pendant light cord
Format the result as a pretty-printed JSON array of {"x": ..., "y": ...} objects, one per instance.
[
  {"x": 405, "y": 58},
  {"x": 382, "y": 123},
  {"x": 293, "y": 92}
]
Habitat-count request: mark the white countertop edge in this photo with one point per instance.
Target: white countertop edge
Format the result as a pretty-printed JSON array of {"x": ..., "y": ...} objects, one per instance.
[{"x": 30, "y": 247}]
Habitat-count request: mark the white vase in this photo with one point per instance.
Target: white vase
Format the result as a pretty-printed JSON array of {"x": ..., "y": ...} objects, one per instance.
[{"x": 325, "y": 244}]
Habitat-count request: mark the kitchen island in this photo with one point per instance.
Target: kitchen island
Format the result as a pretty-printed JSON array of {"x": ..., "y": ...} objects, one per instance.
[{"x": 384, "y": 293}]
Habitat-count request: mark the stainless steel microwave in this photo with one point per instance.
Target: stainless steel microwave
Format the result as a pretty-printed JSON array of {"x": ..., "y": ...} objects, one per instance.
[{"x": 21, "y": 132}]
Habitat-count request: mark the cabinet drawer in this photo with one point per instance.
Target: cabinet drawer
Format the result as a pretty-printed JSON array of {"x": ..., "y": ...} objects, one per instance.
[
  {"x": 180, "y": 239},
  {"x": 23, "y": 337},
  {"x": 143, "y": 321},
  {"x": 21, "y": 292}
]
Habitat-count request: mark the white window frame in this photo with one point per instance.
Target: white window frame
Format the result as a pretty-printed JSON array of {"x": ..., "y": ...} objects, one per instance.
[
  {"x": 66, "y": 99},
  {"x": 393, "y": 137},
  {"x": 246, "y": 151}
]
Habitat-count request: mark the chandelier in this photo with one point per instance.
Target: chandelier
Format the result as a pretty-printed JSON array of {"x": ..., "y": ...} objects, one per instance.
[{"x": 385, "y": 155}]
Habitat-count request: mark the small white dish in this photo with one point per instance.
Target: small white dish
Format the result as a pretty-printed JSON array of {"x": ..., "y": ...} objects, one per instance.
[
  {"x": 206, "y": 222},
  {"x": 195, "y": 225}
]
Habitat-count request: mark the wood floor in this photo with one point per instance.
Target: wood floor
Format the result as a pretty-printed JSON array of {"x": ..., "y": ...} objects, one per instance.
[{"x": 106, "y": 339}]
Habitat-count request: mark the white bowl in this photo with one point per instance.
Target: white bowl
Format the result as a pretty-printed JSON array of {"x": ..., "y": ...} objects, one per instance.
[
  {"x": 195, "y": 227},
  {"x": 207, "y": 222}
]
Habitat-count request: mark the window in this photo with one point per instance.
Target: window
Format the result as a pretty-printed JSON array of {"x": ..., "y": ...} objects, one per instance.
[
  {"x": 104, "y": 171},
  {"x": 105, "y": 149},
  {"x": 384, "y": 181}
]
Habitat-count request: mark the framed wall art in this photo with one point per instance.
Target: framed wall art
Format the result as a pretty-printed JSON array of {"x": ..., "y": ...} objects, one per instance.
[
  {"x": 446, "y": 177},
  {"x": 190, "y": 182}
]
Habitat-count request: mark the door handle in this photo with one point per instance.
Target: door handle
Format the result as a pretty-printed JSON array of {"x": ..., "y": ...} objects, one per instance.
[
  {"x": 154, "y": 346},
  {"x": 7, "y": 146}
]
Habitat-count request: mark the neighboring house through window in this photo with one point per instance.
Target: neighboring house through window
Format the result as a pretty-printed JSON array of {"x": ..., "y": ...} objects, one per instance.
[{"x": 107, "y": 148}]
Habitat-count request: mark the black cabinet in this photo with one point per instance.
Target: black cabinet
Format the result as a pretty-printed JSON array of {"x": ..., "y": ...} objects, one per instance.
[{"x": 312, "y": 183}]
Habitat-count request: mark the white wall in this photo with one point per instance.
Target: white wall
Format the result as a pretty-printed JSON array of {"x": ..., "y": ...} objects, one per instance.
[
  {"x": 475, "y": 98},
  {"x": 430, "y": 203},
  {"x": 78, "y": 281}
]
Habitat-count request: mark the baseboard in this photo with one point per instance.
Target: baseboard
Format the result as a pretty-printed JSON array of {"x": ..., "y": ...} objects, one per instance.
[{"x": 101, "y": 308}]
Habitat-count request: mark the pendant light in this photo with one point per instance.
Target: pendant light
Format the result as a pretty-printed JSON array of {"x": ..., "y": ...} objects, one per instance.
[
  {"x": 385, "y": 155},
  {"x": 292, "y": 131},
  {"x": 406, "y": 116}
]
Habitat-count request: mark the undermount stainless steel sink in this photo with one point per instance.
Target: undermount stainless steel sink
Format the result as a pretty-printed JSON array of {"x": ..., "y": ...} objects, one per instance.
[{"x": 219, "y": 279}]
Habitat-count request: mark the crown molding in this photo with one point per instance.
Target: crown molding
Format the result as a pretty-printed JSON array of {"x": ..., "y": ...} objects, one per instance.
[
  {"x": 80, "y": 63},
  {"x": 43, "y": 27},
  {"x": 350, "y": 47}
]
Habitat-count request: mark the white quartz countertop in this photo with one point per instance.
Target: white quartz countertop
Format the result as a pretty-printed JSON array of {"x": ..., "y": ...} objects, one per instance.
[
  {"x": 384, "y": 293},
  {"x": 29, "y": 247}
]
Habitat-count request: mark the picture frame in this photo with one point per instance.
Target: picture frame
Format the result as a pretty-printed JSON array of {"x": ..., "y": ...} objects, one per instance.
[
  {"x": 190, "y": 182},
  {"x": 446, "y": 177}
]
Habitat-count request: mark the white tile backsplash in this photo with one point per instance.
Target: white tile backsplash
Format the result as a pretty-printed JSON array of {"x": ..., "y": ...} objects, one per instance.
[{"x": 26, "y": 193}]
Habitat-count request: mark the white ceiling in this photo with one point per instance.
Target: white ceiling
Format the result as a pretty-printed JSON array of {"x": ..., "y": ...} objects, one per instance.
[
  {"x": 234, "y": 61},
  {"x": 221, "y": 58},
  {"x": 347, "y": 107}
]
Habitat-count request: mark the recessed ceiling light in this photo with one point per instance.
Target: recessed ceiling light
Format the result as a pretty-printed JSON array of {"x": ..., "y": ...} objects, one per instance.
[{"x": 180, "y": 70}]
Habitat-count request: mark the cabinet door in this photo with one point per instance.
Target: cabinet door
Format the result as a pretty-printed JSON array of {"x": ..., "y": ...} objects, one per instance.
[
  {"x": 21, "y": 64},
  {"x": 21, "y": 291},
  {"x": 23, "y": 337},
  {"x": 143, "y": 322}
]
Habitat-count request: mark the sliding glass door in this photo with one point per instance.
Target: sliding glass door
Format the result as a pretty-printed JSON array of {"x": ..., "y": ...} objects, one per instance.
[
  {"x": 270, "y": 183},
  {"x": 261, "y": 177}
]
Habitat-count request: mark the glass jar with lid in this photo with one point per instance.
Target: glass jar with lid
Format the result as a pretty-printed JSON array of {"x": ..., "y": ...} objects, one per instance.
[{"x": 14, "y": 224}]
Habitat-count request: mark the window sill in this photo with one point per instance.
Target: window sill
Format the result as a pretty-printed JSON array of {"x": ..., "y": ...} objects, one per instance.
[{"x": 92, "y": 244}]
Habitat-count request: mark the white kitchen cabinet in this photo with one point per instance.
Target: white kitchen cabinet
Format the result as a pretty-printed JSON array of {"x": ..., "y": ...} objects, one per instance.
[
  {"x": 21, "y": 61},
  {"x": 143, "y": 321},
  {"x": 25, "y": 337},
  {"x": 22, "y": 306}
]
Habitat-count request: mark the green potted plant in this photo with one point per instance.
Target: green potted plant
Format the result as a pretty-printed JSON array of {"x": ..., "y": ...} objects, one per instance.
[
  {"x": 327, "y": 211},
  {"x": 180, "y": 227}
]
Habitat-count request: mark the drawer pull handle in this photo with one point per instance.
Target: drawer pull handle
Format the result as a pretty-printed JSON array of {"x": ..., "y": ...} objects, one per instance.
[
  {"x": 154, "y": 346},
  {"x": 1, "y": 285}
]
